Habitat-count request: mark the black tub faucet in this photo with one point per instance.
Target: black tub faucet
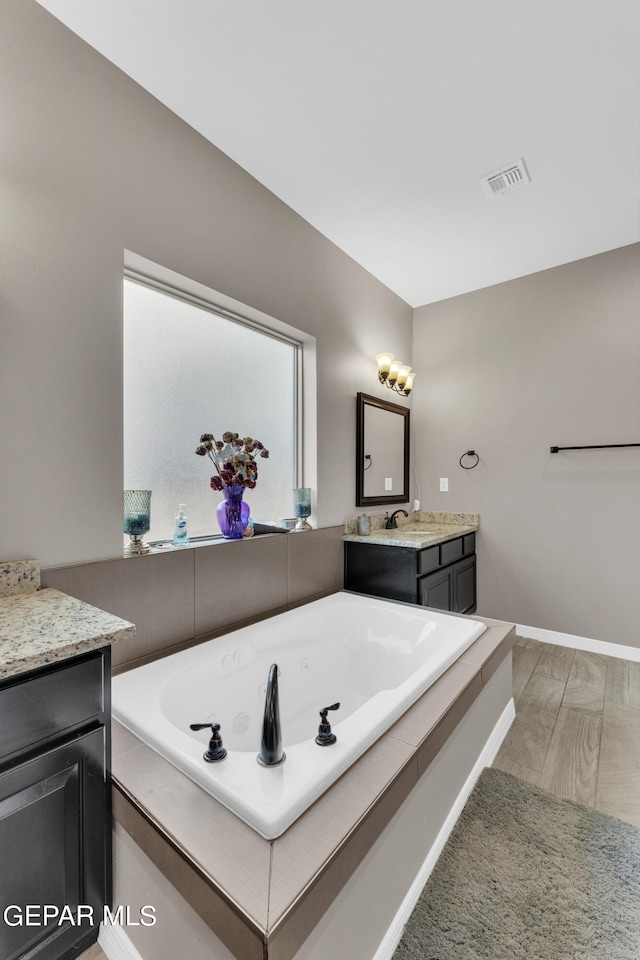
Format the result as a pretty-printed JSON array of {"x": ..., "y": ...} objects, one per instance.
[
  {"x": 391, "y": 523},
  {"x": 271, "y": 752}
]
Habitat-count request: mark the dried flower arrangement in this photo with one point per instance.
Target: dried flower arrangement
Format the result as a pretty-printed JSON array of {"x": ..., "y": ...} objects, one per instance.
[{"x": 234, "y": 459}]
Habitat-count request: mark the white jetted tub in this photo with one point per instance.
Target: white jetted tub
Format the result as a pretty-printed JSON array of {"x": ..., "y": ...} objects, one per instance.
[{"x": 374, "y": 657}]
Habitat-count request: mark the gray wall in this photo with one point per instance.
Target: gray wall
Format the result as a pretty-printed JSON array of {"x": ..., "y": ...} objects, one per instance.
[
  {"x": 93, "y": 165},
  {"x": 549, "y": 359}
]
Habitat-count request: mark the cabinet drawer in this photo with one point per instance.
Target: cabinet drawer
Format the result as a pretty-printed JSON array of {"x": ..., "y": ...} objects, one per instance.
[
  {"x": 37, "y": 706},
  {"x": 450, "y": 551},
  {"x": 468, "y": 544},
  {"x": 428, "y": 560}
]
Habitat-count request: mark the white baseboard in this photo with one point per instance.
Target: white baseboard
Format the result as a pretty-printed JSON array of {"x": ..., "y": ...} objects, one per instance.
[
  {"x": 392, "y": 937},
  {"x": 579, "y": 643},
  {"x": 116, "y": 944}
]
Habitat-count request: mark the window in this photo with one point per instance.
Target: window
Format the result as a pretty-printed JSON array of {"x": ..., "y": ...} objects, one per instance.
[{"x": 191, "y": 368}]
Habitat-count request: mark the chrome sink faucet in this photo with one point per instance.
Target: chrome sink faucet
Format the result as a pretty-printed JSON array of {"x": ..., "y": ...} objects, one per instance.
[
  {"x": 391, "y": 523},
  {"x": 271, "y": 752}
]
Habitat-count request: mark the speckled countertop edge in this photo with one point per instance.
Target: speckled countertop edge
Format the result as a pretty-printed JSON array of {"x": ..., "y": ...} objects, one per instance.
[
  {"x": 434, "y": 527},
  {"x": 48, "y": 626}
]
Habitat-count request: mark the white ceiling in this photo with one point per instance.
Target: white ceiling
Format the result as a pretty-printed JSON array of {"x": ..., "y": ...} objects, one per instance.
[{"x": 376, "y": 119}]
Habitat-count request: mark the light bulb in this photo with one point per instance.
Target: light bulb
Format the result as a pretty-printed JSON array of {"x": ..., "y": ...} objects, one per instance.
[
  {"x": 384, "y": 362},
  {"x": 393, "y": 371},
  {"x": 403, "y": 373},
  {"x": 409, "y": 384}
]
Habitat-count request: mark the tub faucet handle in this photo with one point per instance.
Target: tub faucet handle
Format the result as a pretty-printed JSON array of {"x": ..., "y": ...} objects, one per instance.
[
  {"x": 216, "y": 750},
  {"x": 325, "y": 736},
  {"x": 323, "y": 712}
]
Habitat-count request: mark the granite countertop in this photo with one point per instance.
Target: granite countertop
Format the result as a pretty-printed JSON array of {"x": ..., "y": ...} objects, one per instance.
[
  {"x": 39, "y": 627},
  {"x": 420, "y": 529}
]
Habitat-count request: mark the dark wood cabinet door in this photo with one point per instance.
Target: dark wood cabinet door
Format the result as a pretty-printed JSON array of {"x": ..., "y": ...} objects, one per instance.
[
  {"x": 54, "y": 838},
  {"x": 464, "y": 585},
  {"x": 436, "y": 590}
]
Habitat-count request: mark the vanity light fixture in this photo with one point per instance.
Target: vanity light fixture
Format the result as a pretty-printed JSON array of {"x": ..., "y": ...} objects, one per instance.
[{"x": 395, "y": 374}]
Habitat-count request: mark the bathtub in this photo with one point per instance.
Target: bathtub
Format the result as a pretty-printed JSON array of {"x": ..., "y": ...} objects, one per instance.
[{"x": 374, "y": 657}]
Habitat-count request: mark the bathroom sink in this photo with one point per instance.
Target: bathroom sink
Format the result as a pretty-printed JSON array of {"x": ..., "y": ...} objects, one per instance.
[
  {"x": 422, "y": 533},
  {"x": 415, "y": 533},
  {"x": 402, "y": 534},
  {"x": 425, "y": 531}
]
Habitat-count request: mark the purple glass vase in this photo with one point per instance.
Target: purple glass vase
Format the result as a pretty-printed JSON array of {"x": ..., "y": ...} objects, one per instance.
[{"x": 233, "y": 513}]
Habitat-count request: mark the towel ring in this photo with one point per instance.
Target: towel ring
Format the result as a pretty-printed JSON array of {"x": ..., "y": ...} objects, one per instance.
[{"x": 469, "y": 453}]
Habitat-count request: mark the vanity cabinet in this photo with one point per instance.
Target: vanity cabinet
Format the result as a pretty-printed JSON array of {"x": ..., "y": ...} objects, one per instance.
[
  {"x": 442, "y": 576},
  {"x": 55, "y": 830}
]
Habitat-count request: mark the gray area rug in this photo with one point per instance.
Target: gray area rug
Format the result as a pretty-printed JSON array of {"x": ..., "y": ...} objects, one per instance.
[{"x": 527, "y": 876}]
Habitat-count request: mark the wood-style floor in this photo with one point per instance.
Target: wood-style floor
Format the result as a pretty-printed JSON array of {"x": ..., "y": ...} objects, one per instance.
[
  {"x": 577, "y": 727},
  {"x": 93, "y": 953},
  {"x": 576, "y": 732}
]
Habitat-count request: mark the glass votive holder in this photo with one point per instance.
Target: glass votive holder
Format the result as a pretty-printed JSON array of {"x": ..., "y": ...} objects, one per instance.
[
  {"x": 302, "y": 507},
  {"x": 137, "y": 520}
]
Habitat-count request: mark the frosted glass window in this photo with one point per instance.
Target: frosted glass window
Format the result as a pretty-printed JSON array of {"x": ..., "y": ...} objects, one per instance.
[{"x": 189, "y": 371}]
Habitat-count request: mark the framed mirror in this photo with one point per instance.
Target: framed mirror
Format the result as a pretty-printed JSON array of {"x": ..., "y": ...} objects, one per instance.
[{"x": 382, "y": 452}]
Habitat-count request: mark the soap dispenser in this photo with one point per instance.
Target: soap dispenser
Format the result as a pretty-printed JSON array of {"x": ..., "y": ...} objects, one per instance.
[{"x": 180, "y": 534}]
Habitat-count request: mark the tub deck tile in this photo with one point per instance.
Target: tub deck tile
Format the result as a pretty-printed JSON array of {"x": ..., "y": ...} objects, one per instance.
[
  {"x": 223, "y": 848},
  {"x": 486, "y": 653},
  {"x": 422, "y": 718},
  {"x": 243, "y": 937},
  {"x": 289, "y": 931},
  {"x": 448, "y": 722},
  {"x": 316, "y": 837}
]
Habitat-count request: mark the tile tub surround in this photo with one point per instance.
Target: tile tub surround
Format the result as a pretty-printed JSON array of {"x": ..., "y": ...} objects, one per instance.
[
  {"x": 262, "y": 898},
  {"x": 47, "y": 626},
  {"x": 19, "y": 576},
  {"x": 178, "y": 597},
  {"x": 425, "y": 529}
]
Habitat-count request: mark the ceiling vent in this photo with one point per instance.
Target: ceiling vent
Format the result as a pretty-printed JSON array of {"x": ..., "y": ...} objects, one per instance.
[{"x": 507, "y": 178}]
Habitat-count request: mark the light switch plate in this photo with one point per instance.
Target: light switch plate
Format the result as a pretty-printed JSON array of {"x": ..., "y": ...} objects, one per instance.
[
  {"x": 444, "y": 484},
  {"x": 388, "y": 483}
]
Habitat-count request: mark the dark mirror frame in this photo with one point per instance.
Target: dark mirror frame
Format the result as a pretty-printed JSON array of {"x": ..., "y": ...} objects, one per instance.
[{"x": 364, "y": 401}]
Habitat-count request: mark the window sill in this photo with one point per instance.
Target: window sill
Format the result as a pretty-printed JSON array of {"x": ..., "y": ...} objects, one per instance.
[{"x": 166, "y": 546}]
